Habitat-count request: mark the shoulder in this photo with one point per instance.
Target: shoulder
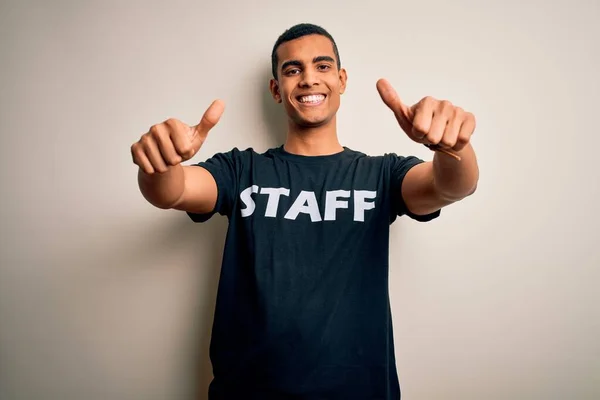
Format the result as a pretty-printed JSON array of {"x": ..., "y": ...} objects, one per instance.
[
  {"x": 397, "y": 162},
  {"x": 390, "y": 160},
  {"x": 237, "y": 155}
]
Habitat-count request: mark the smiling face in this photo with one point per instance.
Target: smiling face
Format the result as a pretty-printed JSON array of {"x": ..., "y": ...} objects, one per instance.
[{"x": 309, "y": 83}]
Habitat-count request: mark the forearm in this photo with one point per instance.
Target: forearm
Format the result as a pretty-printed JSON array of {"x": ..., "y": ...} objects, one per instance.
[
  {"x": 162, "y": 190},
  {"x": 453, "y": 179}
]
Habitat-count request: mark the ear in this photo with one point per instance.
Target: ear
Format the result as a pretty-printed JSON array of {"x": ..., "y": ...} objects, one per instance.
[
  {"x": 274, "y": 87},
  {"x": 343, "y": 79}
]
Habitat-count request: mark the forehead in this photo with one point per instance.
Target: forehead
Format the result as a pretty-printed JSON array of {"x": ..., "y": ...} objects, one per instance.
[{"x": 305, "y": 49}]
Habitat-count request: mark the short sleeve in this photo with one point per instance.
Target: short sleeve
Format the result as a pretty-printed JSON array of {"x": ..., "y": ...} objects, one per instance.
[
  {"x": 224, "y": 168},
  {"x": 399, "y": 166}
]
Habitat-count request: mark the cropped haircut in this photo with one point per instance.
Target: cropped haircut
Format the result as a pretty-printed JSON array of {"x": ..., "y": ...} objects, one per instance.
[{"x": 298, "y": 31}]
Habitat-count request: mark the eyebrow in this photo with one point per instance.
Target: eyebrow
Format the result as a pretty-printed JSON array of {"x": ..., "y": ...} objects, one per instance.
[{"x": 299, "y": 63}]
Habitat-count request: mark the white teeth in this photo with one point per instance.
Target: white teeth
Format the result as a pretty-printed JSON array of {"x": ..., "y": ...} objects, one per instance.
[{"x": 314, "y": 98}]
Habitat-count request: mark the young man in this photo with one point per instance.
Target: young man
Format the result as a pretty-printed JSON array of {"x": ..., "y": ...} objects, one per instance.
[{"x": 302, "y": 309}]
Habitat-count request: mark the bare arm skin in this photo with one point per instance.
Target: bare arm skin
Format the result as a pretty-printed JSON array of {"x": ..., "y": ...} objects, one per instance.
[
  {"x": 162, "y": 180},
  {"x": 430, "y": 186},
  {"x": 433, "y": 185}
]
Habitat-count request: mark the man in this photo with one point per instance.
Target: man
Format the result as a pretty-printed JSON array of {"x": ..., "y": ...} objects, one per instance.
[{"x": 302, "y": 309}]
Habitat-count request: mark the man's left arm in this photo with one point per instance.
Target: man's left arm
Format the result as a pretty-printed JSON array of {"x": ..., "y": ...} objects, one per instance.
[
  {"x": 429, "y": 186},
  {"x": 432, "y": 185}
]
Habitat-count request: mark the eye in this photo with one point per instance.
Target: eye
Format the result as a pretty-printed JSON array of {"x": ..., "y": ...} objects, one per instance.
[
  {"x": 323, "y": 67},
  {"x": 292, "y": 71}
]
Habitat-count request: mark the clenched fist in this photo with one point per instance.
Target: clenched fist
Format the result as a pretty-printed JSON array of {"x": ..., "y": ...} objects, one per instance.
[
  {"x": 435, "y": 123},
  {"x": 172, "y": 142}
]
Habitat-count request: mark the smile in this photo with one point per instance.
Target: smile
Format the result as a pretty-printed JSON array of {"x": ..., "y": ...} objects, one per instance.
[{"x": 311, "y": 100}]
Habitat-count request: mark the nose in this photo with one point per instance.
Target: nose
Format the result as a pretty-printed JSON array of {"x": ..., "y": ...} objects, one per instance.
[{"x": 309, "y": 78}]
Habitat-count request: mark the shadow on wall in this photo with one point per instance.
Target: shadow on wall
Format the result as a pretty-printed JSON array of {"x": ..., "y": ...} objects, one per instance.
[
  {"x": 172, "y": 246},
  {"x": 180, "y": 246},
  {"x": 206, "y": 242},
  {"x": 143, "y": 293},
  {"x": 137, "y": 297},
  {"x": 275, "y": 121},
  {"x": 273, "y": 113}
]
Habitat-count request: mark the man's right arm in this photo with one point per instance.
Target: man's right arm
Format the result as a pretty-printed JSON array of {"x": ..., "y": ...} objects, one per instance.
[
  {"x": 187, "y": 188},
  {"x": 163, "y": 181}
]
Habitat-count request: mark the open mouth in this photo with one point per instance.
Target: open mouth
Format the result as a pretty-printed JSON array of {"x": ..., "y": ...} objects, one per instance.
[{"x": 312, "y": 99}]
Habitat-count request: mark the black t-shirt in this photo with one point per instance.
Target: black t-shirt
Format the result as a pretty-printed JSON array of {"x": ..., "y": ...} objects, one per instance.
[{"x": 302, "y": 307}]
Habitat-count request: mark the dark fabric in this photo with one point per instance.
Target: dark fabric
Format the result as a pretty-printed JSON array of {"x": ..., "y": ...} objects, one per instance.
[{"x": 303, "y": 308}]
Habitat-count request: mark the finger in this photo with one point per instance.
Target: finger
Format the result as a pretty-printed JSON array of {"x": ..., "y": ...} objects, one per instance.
[
  {"x": 391, "y": 99},
  {"x": 209, "y": 120},
  {"x": 145, "y": 164},
  {"x": 437, "y": 128},
  {"x": 161, "y": 135},
  {"x": 167, "y": 149},
  {"x": 422, "y": 120},
  {"x": 464, "y": 135},
  {"x": 451, "y": 133},
  {"x": 182, "y": 141},
  {"x": 153, "y": 153},
  {"x": 175, "y": 137},
  {"x": 140, "y": 159}
]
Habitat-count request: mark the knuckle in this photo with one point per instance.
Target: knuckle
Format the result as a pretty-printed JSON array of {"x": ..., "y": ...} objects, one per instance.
[
  {"x": 190, "y": 153},
  {"x": 419, "y": 129},
  {"x": 156, "y": 131},
  {"x": 462, "y": 140},
  {"x": 448, "y": 142},
  {"x": 186, "y": 149},
  {"x": 181, "y": 143},
  {"x": 424, "y": 103},
  {"x": 172, "y": 122},
  {"x": 145, "y": 141},
  {"x": 433, "y": 140},
  {"x": 471, "y": 117},
  {"x": 175, "y": 160},
  {"x": 135, "y": 153},
  {"x": 446, "y": 107}
]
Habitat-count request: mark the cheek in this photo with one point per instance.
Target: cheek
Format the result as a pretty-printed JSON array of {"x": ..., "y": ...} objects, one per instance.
[
  {"x": 286, "y": 87},
  {"x": 334, "y": 102},
  {"x": 286, "y": 96},
  {"x": 334, "y": 96},
  {"x": 335, "y": 86}
]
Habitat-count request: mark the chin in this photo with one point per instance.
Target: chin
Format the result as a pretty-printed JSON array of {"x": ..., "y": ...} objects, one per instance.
[{"x": 314, "y": 123}]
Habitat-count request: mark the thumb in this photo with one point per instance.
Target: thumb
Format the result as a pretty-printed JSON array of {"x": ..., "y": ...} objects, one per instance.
[
  {"x": 211, "y": 117},
  {"x": 392, "y": 100}
]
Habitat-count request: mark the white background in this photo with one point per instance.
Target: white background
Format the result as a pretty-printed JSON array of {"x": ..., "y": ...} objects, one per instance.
[{"x": 103, "y": 296}]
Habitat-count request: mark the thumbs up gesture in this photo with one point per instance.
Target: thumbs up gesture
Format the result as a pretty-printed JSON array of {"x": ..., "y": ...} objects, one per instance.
[
  {"x": 437, "y": 124},
  {"x": 172, "y": 142}
]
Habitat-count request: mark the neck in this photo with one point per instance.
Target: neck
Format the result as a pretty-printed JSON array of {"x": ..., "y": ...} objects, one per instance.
[{"x": 313, "y": 141}]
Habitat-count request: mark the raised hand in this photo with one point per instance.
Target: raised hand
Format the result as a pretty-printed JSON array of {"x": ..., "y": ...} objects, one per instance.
[
  {"x": 437, "y": 124},
  {"x": 172, "y": 142}
]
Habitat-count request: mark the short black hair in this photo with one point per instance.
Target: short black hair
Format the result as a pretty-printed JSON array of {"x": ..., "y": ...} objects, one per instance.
[{"x": 297, "y": 31}]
